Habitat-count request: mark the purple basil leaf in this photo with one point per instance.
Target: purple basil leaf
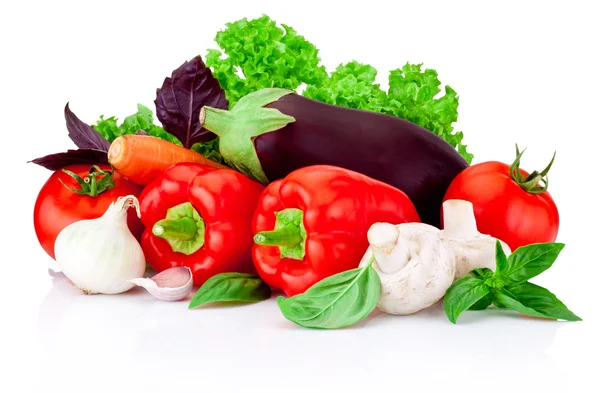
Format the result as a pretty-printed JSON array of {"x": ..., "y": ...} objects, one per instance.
[
  {"x": 57, "y": 161},
  {"x": 141, "y": 132},
  {"x": 181, "y": 96},
  {"x": 84, "y": 136}
]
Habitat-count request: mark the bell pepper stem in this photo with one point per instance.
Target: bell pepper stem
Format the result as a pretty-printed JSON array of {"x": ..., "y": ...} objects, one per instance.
[
  {"x": 182, "y": 229},
  {"x": 287, "y": 236}
]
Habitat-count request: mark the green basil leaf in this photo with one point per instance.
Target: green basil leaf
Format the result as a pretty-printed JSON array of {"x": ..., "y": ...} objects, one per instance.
[
  {"x": 231, "y": 287},
  {"x": 482, "y": 303},
  {"x": 463, "y": 294},
  {"x": 497, "y": 302},
  {"x": 501, "y": 261},
  {"x": 535, "y": 301},
  {"x": 527, "y": 262},
  {"x": 336, "y": 301}
]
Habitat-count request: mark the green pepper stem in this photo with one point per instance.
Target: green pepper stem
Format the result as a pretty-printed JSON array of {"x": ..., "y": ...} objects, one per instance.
[
  {"x": 181, "y": 229},
  {"x": 287, "y": 236}
]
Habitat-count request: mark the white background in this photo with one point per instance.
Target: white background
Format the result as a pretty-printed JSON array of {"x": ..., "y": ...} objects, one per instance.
[{"x": 526, "y": 72}]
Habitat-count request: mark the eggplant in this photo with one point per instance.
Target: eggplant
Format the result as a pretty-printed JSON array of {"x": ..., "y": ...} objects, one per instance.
[{"x": 272, "y": 132}]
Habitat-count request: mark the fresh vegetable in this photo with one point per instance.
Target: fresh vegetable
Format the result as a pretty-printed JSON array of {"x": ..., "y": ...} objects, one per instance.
[
  {"x": 257, "y": 54},
  {"x": 272, "y": 132},
  {"x": 471, "y": 248},
  {"x": 84, "y": 136},
  {"x": 92, "y": 146},
  {"x": 417, "y": 262},
  {"x": 100, "y": 255},
  {"x": 266, "y": 55},
  {"x": 169, "y": 285},
  {"x": 143, "y": 158},
  {"x": 414, "y": 263},
  {"x": 178, "y": 103},
  {"x": 57, "y": 161},
  {"x": 337, "y": 301},
  {"x": 79, "y": 192},
  {"x": 231, "y": 287},
  {"x": 180, "y": 98},
  {"x": 508, "y": 287},
  {"x": 141, "y": 122},
  {"x": 313, "y": 224},
  {"x": 509, "y": 203},
  {"x": 200, "y": 217}
]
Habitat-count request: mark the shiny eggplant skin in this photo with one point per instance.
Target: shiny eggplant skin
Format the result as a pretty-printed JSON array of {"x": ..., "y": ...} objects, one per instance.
[{"x": 383, "y": 147}]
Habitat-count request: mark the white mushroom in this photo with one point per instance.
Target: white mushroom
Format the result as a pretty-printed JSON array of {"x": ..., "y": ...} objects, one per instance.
[
  {"x": 471, "y": 248},
  {"x": 414, "y": 264},
  {"x": 417, "y": 263}
]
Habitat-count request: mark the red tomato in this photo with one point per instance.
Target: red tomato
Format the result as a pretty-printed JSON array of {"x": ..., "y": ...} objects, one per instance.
[
  {"x": 57, "y": 207},
  {"x": 508, "y": 203}
]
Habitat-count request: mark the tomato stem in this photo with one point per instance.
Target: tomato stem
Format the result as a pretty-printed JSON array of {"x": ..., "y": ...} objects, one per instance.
[
  {"x": 92, "y": 184},
  {"x": 530, "y": 183}
]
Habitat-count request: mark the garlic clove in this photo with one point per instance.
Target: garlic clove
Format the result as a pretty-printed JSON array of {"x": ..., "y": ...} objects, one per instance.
[{"x": 170, "y": 285}]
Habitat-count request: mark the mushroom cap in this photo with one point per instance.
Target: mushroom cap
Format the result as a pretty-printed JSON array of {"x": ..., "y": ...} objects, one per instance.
[{"x": 427, "y": 273}]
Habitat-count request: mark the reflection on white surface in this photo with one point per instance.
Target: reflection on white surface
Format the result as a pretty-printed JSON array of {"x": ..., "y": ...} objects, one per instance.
[{"x": 132, "y": 338}]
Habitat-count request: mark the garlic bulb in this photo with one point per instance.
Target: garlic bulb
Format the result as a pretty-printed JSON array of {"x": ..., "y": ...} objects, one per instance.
[{"x": 101, "y": 255}]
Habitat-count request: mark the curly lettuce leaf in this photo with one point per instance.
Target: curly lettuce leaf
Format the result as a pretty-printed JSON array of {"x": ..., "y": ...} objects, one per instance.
[
  {"x": 351, "y": 85},
  {"x": 143, "y": 120},
  {"x": 266, "y": 55},
  {"x": 411, "y": 96},
  {"x": 209, "y": 150},
  {"x": 256, "y": 54}
]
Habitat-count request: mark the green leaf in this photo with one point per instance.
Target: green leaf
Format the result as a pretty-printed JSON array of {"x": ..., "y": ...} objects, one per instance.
[
  {"x": 483, "y": 303},
  {"x": 266, "y": 55},
  {"x": 257, "y": 54},
  {"x": 336, "y": 301},
  {"x": 527, "y": 262},
  {"x": 411, "y": 96},
  {"x": 501, "y": 261},
  {"x": 231, "y": 287},
  {"x": 143, "y": 120},
  {"x": 209, "y": 150},
  {"x": 535, "y": 301},
  {"x": 462, "y": 295}
]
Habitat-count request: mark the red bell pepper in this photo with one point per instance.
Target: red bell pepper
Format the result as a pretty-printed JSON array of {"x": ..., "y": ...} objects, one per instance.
[
  {"x": 313, "y": 224},
  {"x": 199, "y": 217}
]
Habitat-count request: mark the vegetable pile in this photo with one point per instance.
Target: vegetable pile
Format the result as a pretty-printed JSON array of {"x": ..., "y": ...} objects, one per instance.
[{"x": 344, "y": 197}]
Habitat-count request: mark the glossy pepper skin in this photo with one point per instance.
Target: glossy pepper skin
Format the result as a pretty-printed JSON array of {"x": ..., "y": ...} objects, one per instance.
[
  {"x": 314, "y": 222},
  {"x": 217, "y": 238}
]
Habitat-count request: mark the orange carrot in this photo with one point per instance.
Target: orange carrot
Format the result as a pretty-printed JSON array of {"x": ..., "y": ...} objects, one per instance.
[{"x": 141, "y": 158}]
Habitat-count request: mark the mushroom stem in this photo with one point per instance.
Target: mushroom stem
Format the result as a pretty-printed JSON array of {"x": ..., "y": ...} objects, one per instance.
[
  {"x": 459, "y": 219},
  {"x": 390, "y": 255}
]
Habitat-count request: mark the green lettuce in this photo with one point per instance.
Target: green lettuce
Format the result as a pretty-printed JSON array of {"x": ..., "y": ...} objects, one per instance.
[
  {"x": 256, "y": 54},
  {"x": 266, "y": 55},
  {"x": 142, "y": 120}
]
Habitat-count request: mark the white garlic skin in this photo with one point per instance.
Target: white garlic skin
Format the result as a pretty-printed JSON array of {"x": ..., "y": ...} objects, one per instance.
[{"x": 100, "y": 255}]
